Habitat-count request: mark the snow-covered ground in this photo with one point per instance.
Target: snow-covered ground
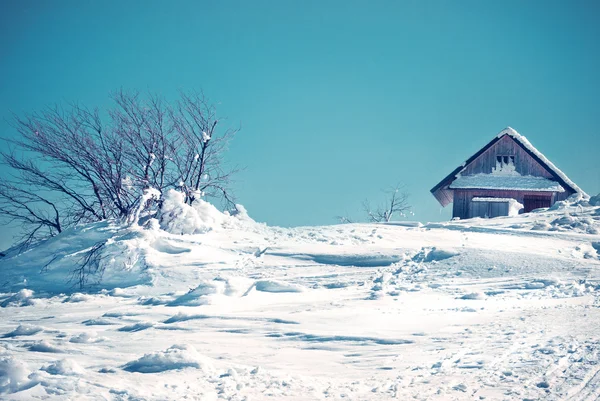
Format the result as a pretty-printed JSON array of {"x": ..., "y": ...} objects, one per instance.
[{"x": 500, "y": 309}]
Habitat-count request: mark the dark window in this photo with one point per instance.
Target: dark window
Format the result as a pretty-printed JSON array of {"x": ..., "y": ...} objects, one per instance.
[{"x": 505, "y": 160}]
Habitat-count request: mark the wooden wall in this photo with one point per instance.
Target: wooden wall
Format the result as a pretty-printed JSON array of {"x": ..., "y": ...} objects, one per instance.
[
  {"x": 462, "y": 198},
  {"x": 506, "y": 146}
]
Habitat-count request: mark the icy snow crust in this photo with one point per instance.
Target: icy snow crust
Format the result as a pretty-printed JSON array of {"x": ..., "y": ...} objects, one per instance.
[{"x": 507, "y": 308}]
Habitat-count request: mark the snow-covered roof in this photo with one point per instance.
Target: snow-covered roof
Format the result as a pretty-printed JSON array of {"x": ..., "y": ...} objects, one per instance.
[
  {"x": 506, "y": 182},
  {"x": 525, "y": 142},
  {"x": 482, "y": 199}
]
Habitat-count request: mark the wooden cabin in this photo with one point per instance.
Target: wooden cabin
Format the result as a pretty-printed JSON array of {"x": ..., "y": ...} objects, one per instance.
[{"x": 506, "y": 177}]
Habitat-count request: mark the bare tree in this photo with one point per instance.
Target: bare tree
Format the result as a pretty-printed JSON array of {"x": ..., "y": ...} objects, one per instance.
[
  {"x": 69, "y": 165},
  {"x": 344, "y": 219},
  {"x": 395, "y": 204},
  {"x": 200, "y": 162}
]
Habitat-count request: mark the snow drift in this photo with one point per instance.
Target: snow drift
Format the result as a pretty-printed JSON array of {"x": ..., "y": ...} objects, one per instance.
[
  {"x": 175, "y": 357},
  {"x": 125, "y": 251}
]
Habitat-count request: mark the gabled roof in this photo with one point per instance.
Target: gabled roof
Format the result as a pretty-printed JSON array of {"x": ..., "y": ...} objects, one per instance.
[{"x": 554, "y": 171}]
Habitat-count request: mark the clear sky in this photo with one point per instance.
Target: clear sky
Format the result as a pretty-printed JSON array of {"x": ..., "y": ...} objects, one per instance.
[{"x": 336, "y": 99}]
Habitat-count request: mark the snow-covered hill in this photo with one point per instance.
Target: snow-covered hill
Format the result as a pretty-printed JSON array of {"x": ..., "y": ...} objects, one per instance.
[{"x": 507, "y": 308}]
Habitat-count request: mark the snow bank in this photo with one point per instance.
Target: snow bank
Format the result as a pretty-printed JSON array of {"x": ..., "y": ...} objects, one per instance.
[
  {"x": 571, "y": 223},
  {"x": 176, "y": 357},
  {"x": 49, "y": 268}
]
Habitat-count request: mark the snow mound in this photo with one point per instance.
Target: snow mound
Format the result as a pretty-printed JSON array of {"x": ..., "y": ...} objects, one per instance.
[
  {"x": 210, "y": 290},
  {"x": 44, "y": 346},
  {"x": 65, "y": 367},
  {"x": 164, "y": 246},
  {"x": 276, "y": 286},
  {"x": 351, "y": 259},
  {"x": 434, "y": 254},
  {"x": 86, "y": 338},
  {"x": 201, "y": 294},
  {"x": 78, "y": 297},
  {"x": 51, "y": 266},
  {"x": 24, "y": 330},
  {"x": 568, "y": 222},
  {"x": 13, "y": 375},
  {"x": 240, "y": 213},
  {"x": 473, "y": 296},
  {"x": 137, "y": 327},
  {"x": 175, "y": 357},
  {"x": 23, "y": 297}
]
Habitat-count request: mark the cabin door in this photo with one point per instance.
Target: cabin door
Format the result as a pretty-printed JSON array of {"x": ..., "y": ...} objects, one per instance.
[{"x": 531, "y": 202}]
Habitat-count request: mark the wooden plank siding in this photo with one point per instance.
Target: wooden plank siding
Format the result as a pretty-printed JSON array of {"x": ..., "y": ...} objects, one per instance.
[
  {"x": 462, "y": 198},
  {"x": 506, "y": 146}
]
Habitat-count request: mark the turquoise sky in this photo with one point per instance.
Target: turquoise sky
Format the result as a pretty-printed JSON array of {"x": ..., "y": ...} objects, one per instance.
[{"x": 336, "y": 99}]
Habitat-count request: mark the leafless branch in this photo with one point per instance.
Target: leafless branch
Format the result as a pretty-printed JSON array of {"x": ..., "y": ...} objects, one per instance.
[
  {"x": 90, "y": 266},
  {"x": 395, "y": 204}
]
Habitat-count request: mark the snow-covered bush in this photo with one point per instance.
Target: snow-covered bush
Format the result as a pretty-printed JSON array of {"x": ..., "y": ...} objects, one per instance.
[
  {"x": 71, "y": 165},
  {"x": 178, "y": 217}
]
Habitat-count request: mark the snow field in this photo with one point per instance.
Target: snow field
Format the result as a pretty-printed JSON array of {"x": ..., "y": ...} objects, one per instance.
[{"x": 478, "y": 309}]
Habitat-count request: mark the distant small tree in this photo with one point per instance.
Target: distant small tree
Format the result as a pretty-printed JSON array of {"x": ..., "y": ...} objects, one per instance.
[
  {"x": 344, "y": 219},
  {"x": 396, "y": 204}
]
